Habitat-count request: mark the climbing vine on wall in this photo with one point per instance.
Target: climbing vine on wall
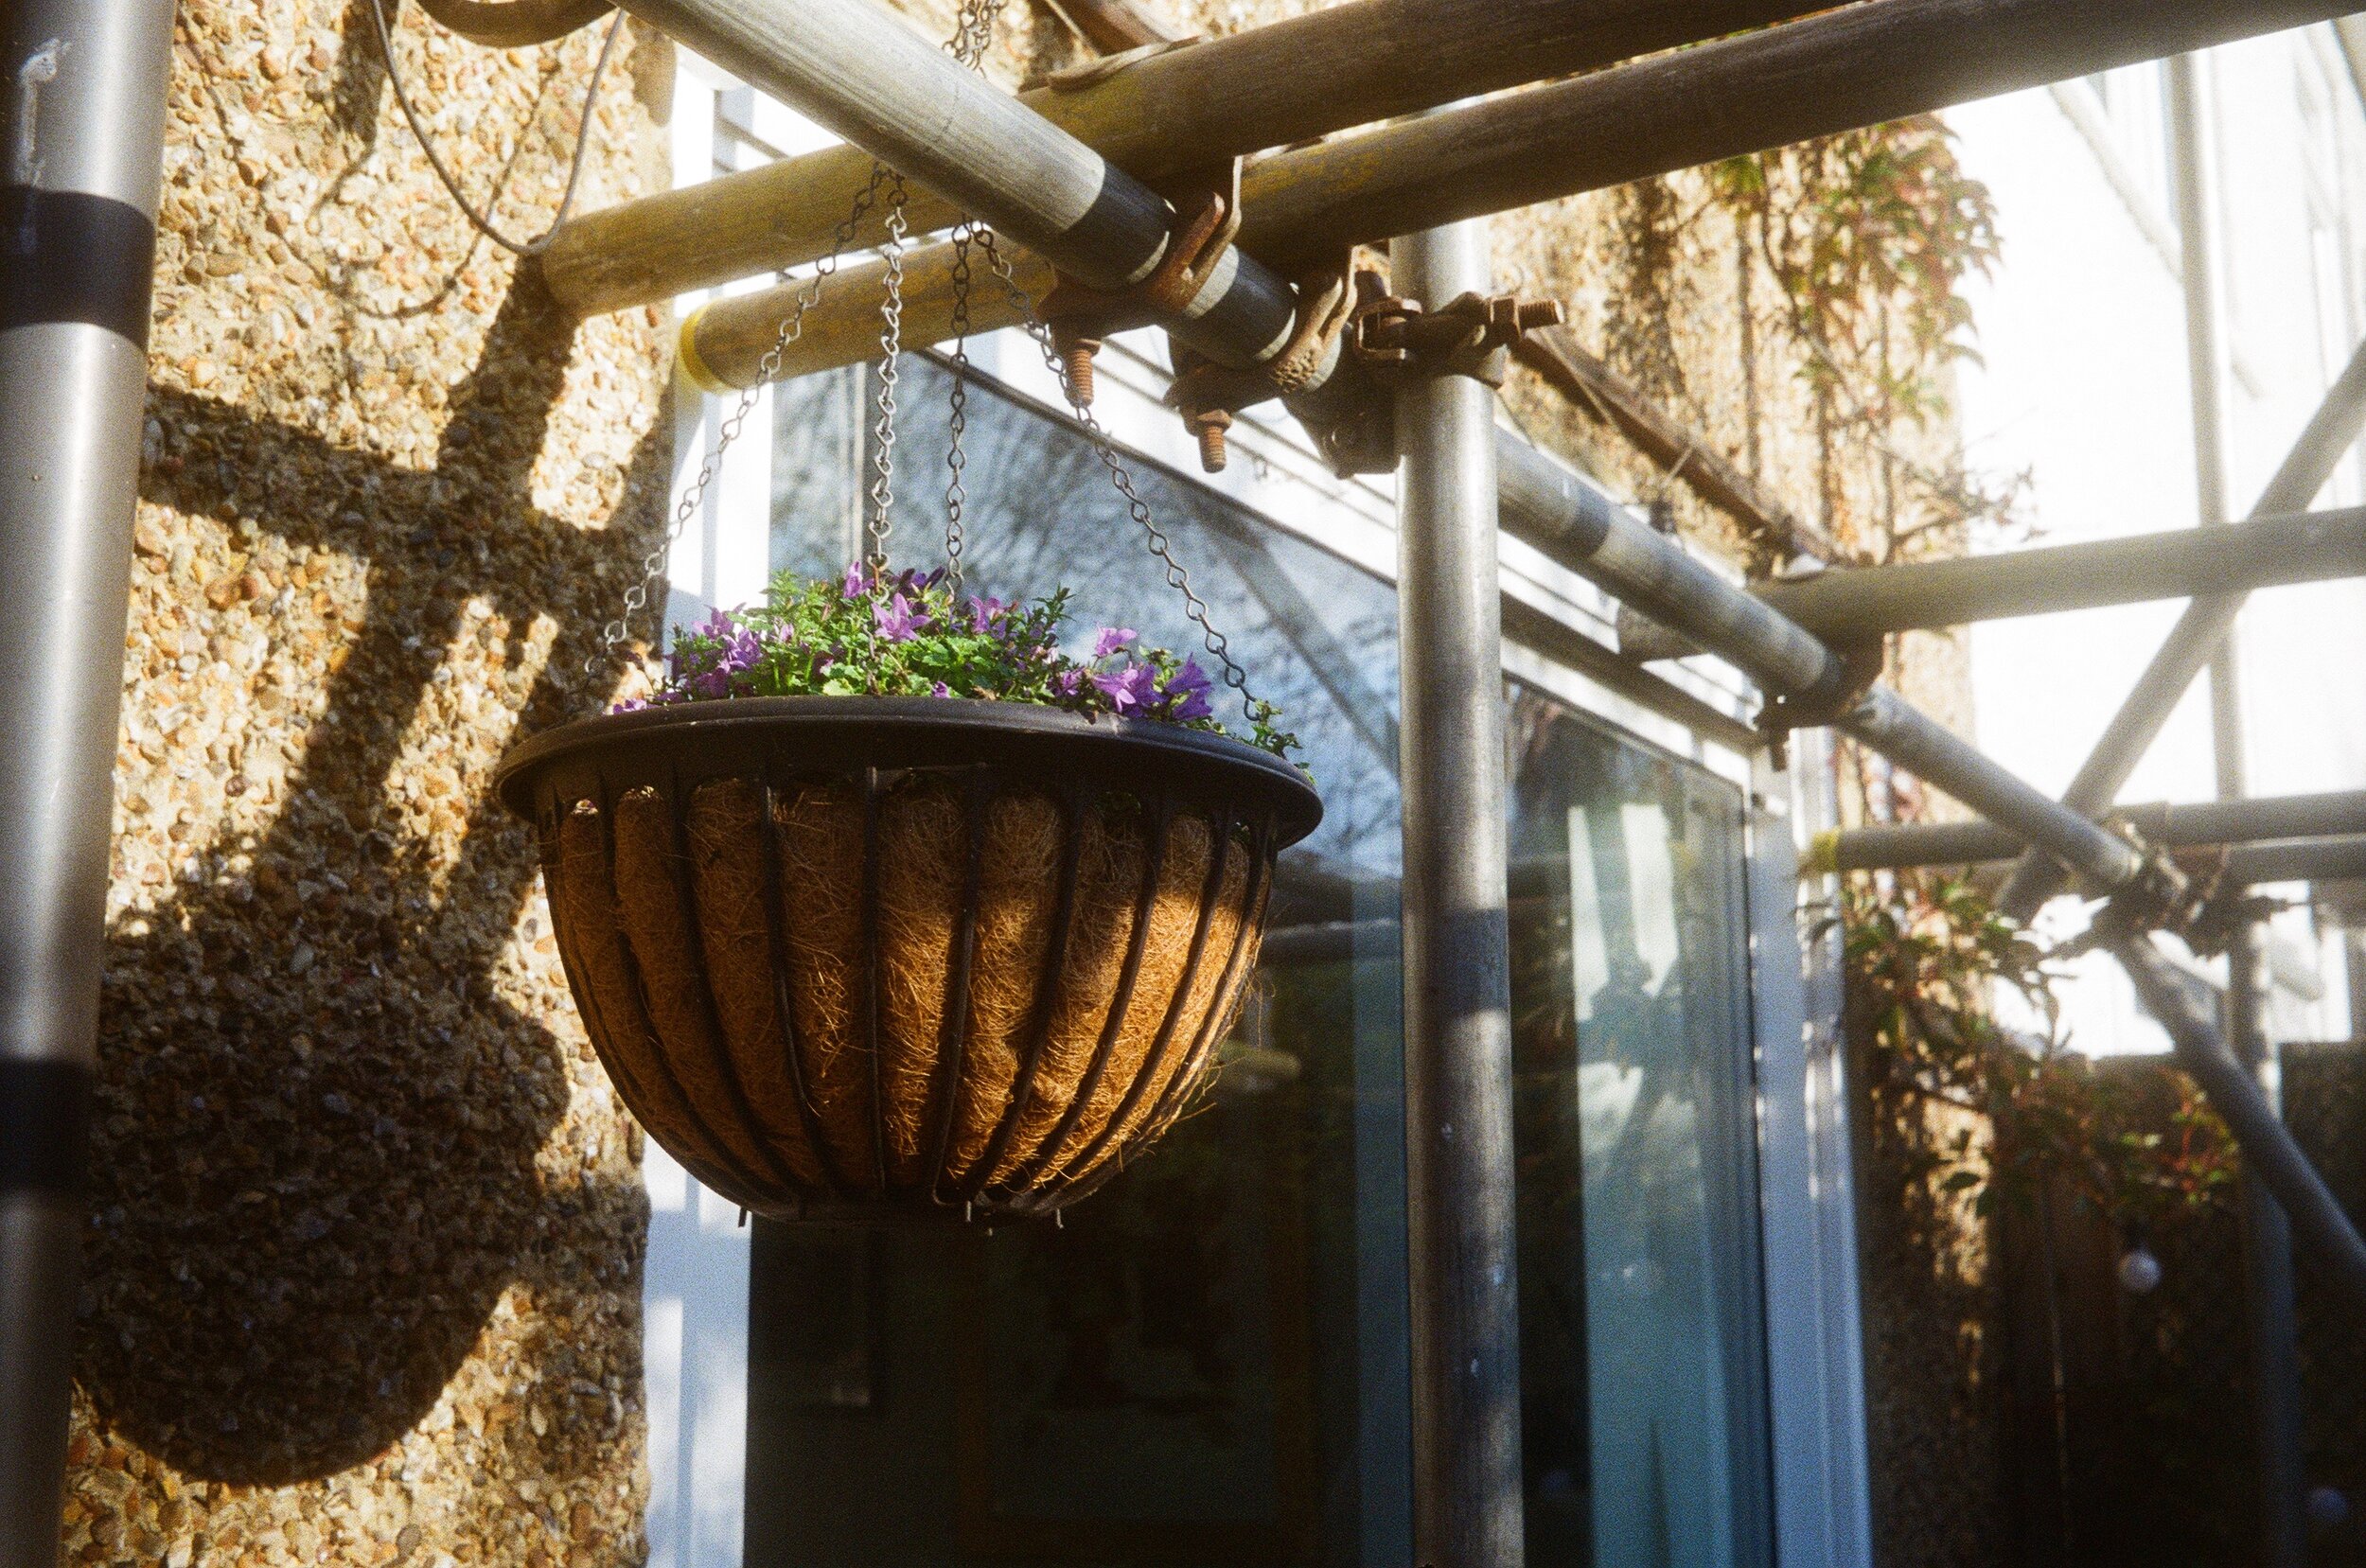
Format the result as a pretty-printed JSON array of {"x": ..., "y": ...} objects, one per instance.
[
  {"x": 1868, "y": 237},
  {"x": 1923, "y": 960}
]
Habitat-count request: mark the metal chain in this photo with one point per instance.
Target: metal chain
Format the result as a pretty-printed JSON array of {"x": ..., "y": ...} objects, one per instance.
[
  {"x": 890, "y": 350},
  {"x": 973, "y": 35},
  {"x": 637, "y": 597},
  {"x": 956, "y": 492},
  {"x": 483, "y": 221},
  {"x": 973, "y": 32},
  {"x": 1218, "y": 646}
]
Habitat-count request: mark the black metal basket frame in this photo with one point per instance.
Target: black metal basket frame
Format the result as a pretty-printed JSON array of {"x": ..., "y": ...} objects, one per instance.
[{"x": 784, "y": 743}]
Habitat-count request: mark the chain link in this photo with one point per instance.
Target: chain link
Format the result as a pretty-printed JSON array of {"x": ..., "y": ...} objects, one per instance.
[
  {"x": 1218, "y": 646},
  {"x": 891, "y": 351},
  {"x": 638, "y": 596},
  {"x": 957, "y": 424},
  {"x": 973, "y": 35}
]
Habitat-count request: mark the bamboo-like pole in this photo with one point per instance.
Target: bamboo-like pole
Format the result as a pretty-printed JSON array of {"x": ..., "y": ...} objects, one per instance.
[
  {"x": 1862, "y": 602},
  {"x": 1152, "y": 117},
  {"x": 1858, "y": 65}
]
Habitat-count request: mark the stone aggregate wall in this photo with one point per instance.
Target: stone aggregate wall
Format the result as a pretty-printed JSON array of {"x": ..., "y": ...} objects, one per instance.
[{"x": 364, "y": 1268}]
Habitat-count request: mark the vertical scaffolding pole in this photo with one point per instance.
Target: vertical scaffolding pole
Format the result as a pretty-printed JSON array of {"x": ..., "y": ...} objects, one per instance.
[
  {"x": 81, "y": 132},
  {"x": 2269, "y": 1303},
  {"x": 1457, "y": 1020}
]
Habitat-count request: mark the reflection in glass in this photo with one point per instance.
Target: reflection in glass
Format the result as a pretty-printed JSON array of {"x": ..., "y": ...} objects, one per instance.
[
  {"x": 1642, "y": 1383},
  {"x": 1207, "y": 1365}
]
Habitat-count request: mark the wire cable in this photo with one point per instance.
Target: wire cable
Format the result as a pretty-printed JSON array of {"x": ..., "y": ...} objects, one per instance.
[{"x": 482, "y": 221}]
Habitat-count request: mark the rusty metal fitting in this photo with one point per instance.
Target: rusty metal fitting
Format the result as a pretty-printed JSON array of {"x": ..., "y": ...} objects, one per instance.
[
  {"x": 1208, "y": 395},
  {"x": 2164, "y": 897},
  {"x": 1194, "y": 252},
  {"x": 1075, "y": 351},
  {"x": 1470, "y": 335},
  {"x": 1210, "y": 426}
]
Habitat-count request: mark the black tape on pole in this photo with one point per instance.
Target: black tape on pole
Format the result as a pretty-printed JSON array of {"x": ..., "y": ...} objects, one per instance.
[
  {"x": 67, "y": 255},
  {"x": 44, "y": 1127}
]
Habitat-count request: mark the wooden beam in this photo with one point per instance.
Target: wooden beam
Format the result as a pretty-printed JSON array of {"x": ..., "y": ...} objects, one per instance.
[
  {"x": 1153, "y": 115},
  {"x": 1112, "y": 27},
  {"x": 1864, "y": 64}
]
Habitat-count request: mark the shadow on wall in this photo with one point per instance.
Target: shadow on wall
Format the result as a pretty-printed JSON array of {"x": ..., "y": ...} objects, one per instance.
[{"x": 314, "y": 1165}]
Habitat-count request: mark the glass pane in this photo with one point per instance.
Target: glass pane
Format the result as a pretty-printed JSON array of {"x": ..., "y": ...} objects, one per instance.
[
  {"x": 1207, "y": 1365},
  {"x": 1640, "y": 1333}
]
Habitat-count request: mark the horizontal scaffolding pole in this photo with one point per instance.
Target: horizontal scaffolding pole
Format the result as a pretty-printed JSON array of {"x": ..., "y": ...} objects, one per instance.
[
  {"x": 2330, "y": 432},
  {"x": 1886, "y": 848},
  {"x": 2339, "y": 859},
  {"x": 2268, "y": 1146},
  {"x": 860, "y": 70},
  {"x": 1153, "y": 116},
  {"x": 1572, "y": 522},
  {"x": 1862, "y": 64},
  {"x": 1858, "y": 604}
]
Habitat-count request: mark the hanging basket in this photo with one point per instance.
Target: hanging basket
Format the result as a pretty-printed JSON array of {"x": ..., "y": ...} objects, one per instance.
[{"x": 855, "y": 958}]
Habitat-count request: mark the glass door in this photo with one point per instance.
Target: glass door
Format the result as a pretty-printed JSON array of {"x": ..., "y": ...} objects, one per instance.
[{"x": 1641, "y": 1337}]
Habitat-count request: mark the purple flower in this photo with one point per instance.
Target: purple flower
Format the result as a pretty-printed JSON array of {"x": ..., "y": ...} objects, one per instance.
[
  {"x": 899, "y": 620},
  {"x": 629, "y": 705},
  {"x": 939, "y": 689},
  {"x": 1068, "y": 683},
  {"x": 1131, "y": 690},
  {"x": 718, "y": 624},
  {"x": 1110, "y": 639},
  {"x": 716, "y": 682},
  {"x": 857, "y": 581},
  {"x": 985, "y": 611},
  {"x": 1185, "y": 696}
]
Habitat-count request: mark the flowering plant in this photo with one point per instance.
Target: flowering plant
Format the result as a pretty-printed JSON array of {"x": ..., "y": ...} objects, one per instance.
[{"x": 913, "y": 635}]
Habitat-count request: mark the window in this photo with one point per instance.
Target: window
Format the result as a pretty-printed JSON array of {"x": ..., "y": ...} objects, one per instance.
[{"x": 1208, "y": 1364}]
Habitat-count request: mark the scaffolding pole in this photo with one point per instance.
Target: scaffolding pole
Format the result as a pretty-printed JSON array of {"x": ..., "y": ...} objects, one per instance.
[
  {"x": 1154, "y": 116},
  {"x": 2266, "y": 1144},
  {"x": 2328, "y": 434},
  {"x": 1548, "y": 504},
  {"x": 1460, "y": 1175},
  {"x": 858, "y": 69},
  {"x": 1858, "y": 604},
  {"x": 82, "y": 107},
  {"x": 2330, "y": 815},
  {"x": 1857, "y": 65}
]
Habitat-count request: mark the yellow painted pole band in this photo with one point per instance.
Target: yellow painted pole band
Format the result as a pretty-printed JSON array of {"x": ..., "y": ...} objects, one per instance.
[{"x": 686, "y": 355}]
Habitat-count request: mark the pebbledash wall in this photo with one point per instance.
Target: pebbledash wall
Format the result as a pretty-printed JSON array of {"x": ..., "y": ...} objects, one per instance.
[
  {"x": 362, "y": 1269},
  {"x": 365, "y": 1269}
]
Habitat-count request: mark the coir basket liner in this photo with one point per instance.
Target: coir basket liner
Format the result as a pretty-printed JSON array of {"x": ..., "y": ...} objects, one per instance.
[{"x": 859, "y": 956}]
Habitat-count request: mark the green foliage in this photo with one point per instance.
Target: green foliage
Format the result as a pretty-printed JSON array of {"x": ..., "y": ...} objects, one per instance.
[
  {"x": 1921, "y": 961},
  {"x": 1871, "y": 233},
  {"x": 909, "y": 635}
]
